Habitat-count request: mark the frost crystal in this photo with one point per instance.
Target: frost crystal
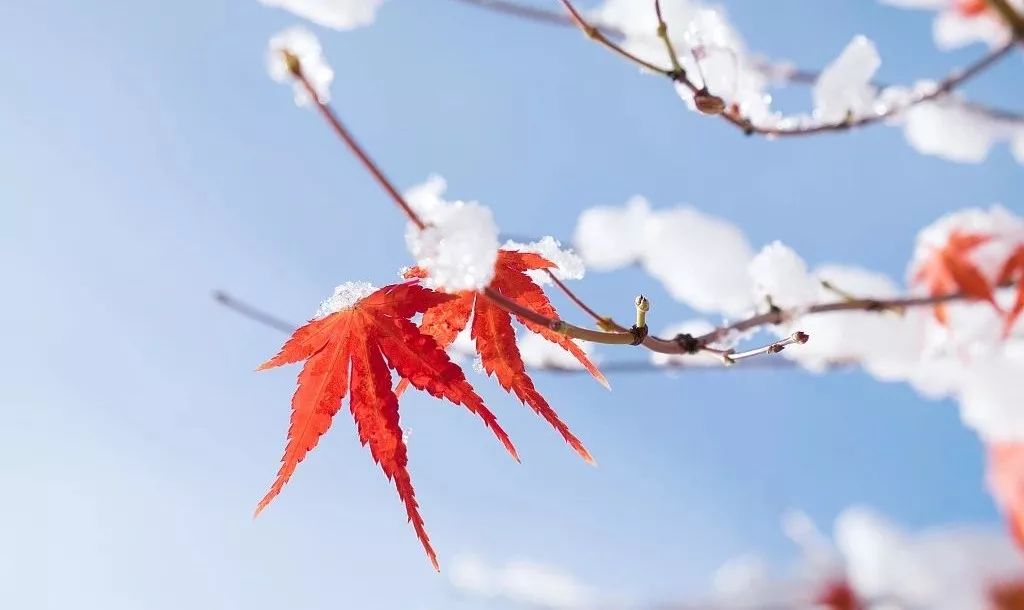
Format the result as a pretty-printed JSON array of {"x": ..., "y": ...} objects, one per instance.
[
  {"x": 301, "y": 43},
  {"x": 568, "y": 264},
  {"x": 337, "y": 14},
  {"x": 344, "y": 297},
  {"x": 538, "y": 352},
  {"x": 844, "y": 86},
  {"x": 459, "y": 247}
]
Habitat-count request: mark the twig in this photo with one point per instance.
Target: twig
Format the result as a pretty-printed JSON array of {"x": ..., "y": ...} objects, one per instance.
[
  {"x": 253, "y": 313},
  {"x": 1010, "y": 15},
  {"x": 295, "y": 66},
  {"x": 597, "y": 35},
  {"x": 945, "y": 86},
  {"x": 954, "y": 80},
  {"x": 797, "y": 338},
  {"x": 248, "y": 311},
  {"x": 570, "y": 330}
]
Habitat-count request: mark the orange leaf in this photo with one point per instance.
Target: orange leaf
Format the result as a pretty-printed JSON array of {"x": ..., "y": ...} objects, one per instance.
[
  {"x": 495, "y": 338},
  {"x": 369, "y": 338},
  {"x": 1006, "y": 483},
  {"x": 1013, "y": 271},
  {"x": 970, "y": 8},
  {"x": 949, "y": 270},
  {"x": 496, "y": 344}
]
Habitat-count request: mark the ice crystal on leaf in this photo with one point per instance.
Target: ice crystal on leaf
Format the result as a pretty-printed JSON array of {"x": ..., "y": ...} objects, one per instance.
[
  {"x": 345, "y": 296},
  {"x": 568, "y": 264}
]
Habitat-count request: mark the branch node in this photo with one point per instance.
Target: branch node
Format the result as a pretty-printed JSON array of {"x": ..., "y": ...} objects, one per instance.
[
  {"x": 639, "y": 334},
  {"x": 687, "y": 342}
]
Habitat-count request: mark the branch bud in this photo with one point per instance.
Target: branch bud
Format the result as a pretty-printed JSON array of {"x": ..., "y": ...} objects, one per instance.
[
  {"x": 708, "y": 103},
  {"x": 291, "y": 61}
]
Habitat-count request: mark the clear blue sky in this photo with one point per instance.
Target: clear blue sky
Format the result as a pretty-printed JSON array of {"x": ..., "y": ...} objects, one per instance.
[{"x": 147, "y": 160}]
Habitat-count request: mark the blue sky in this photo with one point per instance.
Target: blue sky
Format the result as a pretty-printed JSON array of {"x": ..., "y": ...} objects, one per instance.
[{"x": 148, "y": 160}]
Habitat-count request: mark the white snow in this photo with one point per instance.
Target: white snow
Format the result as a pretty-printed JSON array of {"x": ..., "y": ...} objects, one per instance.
[
  {"x": 337, "y": 14},
  {"x": 301, "y": 43},
  {"x": 844, "y": 86},
  {"x": 610, "y": 237},
  {"x": 345, "y": 296},
  {"x": 568, "y": 264},
  {"x": 459, "y": 247},
  {"x": 780, "y": 276}
]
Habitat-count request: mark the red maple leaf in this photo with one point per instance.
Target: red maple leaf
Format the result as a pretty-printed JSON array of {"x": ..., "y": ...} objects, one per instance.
[
  {"x": 1006, "y": 482},
  {"x": 1013, "y": 271},
  {"x": 1006, "y": 595},
  {"x": 949, "y": 270},
  {"x": 838, "y": 595},
  {"x": 351, "y": 352},
  {"x": 495, "y": 337}
]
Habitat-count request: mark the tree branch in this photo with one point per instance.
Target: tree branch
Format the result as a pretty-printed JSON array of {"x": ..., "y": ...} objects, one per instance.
[
  {"x": 793, "y": 75},
  {"x": 259, "y": 316}
]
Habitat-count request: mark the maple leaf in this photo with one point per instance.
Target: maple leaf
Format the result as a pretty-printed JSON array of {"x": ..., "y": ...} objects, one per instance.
[
  {"x": 351, "y": 352},
  {"x": 970, "y": 8},
  {"x": 1013, "y": 271},
  {"x": 495, "y": 337},
  {"x": 838, "y": 595},
  {"x": 1006, "y": 483},
  {"x": 949, "y": 270},
  {"x": 1007, "y": 595}
]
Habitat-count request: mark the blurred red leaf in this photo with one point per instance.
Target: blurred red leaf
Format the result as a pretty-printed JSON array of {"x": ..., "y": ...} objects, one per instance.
[
  {"x": 949, "y": 270},
  {"x": 1013, "y": 271}
]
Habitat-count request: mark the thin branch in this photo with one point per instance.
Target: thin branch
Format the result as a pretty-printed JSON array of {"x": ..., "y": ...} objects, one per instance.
[
  {"x": 683, "y": 344},
  {"x": 807, "y": 77},
  {"x": 778, "y": 316},
  {"x": 253, "y": 313},
  {"x": 1010, "y": 15},
  {"x": 346, "y": 136},
  {"x": 945, "y": 86},
  {"x": 570, "y": 330},
  {"x": 797, "y": 338},
  {"x": 597, "y": 35},
  {"x": 603, "y": 322}
]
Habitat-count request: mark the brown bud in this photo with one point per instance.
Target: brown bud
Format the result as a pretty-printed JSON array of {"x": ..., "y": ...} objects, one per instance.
[{"x": 708, "y": 103}]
